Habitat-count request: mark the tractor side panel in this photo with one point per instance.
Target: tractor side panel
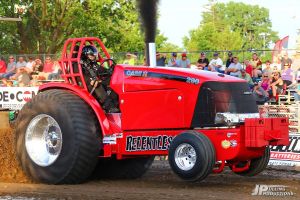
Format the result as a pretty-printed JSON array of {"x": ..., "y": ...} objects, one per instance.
[
  {"x": 156, "y": 109},
  {"x": 155, "y": 98},
  {"x": 229, "y": 143}
]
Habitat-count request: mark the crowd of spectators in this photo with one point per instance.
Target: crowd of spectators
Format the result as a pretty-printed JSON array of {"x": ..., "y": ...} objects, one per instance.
[
  {"x": 30, "y": 72},
  {"x": 266, "y": 80}
]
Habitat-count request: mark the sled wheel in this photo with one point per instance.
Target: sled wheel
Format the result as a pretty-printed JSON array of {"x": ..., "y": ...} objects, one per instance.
[
  {"x": 192, "y": 156},
  {"x": 57, "y": 138}
]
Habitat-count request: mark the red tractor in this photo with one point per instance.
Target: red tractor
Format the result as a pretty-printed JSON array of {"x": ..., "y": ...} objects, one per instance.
[{"x": 202, "y": 120}]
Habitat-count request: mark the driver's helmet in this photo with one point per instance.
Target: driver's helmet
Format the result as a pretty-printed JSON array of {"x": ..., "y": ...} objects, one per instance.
[{"x": 89, "y": 50}]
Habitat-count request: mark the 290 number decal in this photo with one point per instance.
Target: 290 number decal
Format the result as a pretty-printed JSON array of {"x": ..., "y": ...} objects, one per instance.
[{"x": 192, "y": 80}]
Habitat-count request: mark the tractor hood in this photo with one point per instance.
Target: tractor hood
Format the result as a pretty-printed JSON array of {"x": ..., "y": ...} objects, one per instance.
[
  {"x": 145, "y": 78},
  {"x": 176, "y": 97},
  {"x": 180, "y": 73}
]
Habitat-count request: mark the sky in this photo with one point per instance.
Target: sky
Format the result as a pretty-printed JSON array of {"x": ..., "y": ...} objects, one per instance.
[{"x": 178, "y": 17}]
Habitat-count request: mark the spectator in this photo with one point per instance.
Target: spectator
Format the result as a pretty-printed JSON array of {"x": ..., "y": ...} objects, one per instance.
[
  {"x": 161, "y": 59},
  {"x": 55, "y": 75},
  {"x": 244, "y": 75},
  {"x": 216, "y": 64},
  {"x": 297, "y": 79},
  {"x": 202, "y": 62},
  {"x": 261, "y": 96},
  {"x": 173, "y": 62},
  {"x": 38, "y": 67},
  {"x": 276, "y": 85},
  {"x": 268, "y": 69},
  {"x": 266, "y": 81},
  {"x": 48, "y": 65},
  {"x": 30, "y": 65},
  {"x": 11, "y": 68},
  {"x": 2, "y": 67},
  {"x": 21, "y": 63},
  {"x": 184, "y": 62},
  {"x": 256, "y": 64},
  {"x": 229, "y": 60},
  {"x": 249, "y": 68},
  {"x": 287, "y": 76},
  {"x": 37, "y": 73},
  {"x": 234, "y": 68},
  {"x": 22, "y": 77},
  {"x": 130, "y": 59},
  {"x": 285, "y": 61}
]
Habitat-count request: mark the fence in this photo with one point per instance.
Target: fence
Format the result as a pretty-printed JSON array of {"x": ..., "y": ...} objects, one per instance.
[
  {"x": 264, "y": 55},
  {"x": 292, "y": 112}
]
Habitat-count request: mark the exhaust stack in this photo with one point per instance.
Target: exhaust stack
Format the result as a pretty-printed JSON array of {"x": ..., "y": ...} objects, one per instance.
[
  {"x": 151, "y": 54},
  {"x": 148, "y": 18}
]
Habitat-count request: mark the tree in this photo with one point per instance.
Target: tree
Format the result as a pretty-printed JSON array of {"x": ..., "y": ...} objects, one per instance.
[
  {"x": 206, "y": 37},
  {"x": 47, "y": 24},
  {"x": 232, "y": 26},
  {"x": 169, "y": 47}
]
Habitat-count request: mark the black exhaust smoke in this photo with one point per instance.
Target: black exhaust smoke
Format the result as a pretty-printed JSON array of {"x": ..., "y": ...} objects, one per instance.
[{"x": 148, "y": 18}]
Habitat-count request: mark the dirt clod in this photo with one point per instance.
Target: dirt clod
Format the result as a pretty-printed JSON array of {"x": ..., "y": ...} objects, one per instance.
[{"x": 10, "y": 171}]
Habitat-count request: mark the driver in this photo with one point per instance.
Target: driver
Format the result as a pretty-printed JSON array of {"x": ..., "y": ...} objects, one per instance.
[{"x": 96, "y": 81}]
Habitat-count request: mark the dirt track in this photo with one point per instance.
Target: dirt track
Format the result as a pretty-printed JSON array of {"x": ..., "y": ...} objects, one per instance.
[
  {"x": 159, "y": 183},
  {"x": 9, "y": 167}
]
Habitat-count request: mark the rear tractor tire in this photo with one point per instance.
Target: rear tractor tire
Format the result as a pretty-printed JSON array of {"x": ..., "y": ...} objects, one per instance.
[{"x": 57, "y": 138}]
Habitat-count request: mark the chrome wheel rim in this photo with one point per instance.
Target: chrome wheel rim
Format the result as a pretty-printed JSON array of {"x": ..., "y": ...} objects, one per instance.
[
  {"x": 185, "y": 156},
  {"x": 43, "y": 140}
]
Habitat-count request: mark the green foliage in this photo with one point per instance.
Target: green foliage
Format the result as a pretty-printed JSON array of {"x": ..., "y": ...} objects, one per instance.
[
  {"x": 207, "y": 37},
  {"x": 169, "y": 47},
  {"x": 232, "y": 26},
  {"x": 48, "y": 23}
]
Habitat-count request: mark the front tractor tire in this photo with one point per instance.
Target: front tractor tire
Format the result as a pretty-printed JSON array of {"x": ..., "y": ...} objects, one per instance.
[
  {"x": 57, "y": 138},
  {"x": 257, "y": 165},
  {"x": 192, "y": 156}
]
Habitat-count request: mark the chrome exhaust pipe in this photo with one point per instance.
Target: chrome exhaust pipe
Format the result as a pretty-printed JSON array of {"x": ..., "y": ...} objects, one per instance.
[{"x": 151, "y": 54}]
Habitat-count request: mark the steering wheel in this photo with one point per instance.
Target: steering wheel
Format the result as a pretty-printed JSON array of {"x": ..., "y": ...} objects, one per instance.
[{"x": 111, "y": 65}]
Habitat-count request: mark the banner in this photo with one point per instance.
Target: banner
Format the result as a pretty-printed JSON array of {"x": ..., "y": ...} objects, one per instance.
[
  {"x": 285, "y": 42},
  {"x": 14, "y": 98},
  {"x": 286, "y": 155},
  {"x": 279, "y": 46}
]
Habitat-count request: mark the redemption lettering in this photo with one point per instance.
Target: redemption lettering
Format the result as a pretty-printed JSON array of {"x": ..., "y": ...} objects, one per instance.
[{"x": 147, "y": 143}]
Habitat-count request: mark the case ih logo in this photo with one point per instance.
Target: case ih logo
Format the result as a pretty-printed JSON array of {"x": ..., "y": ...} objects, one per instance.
[
  {"x": 146, "y": 143},
  {"x": 137, "y": 73}
]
